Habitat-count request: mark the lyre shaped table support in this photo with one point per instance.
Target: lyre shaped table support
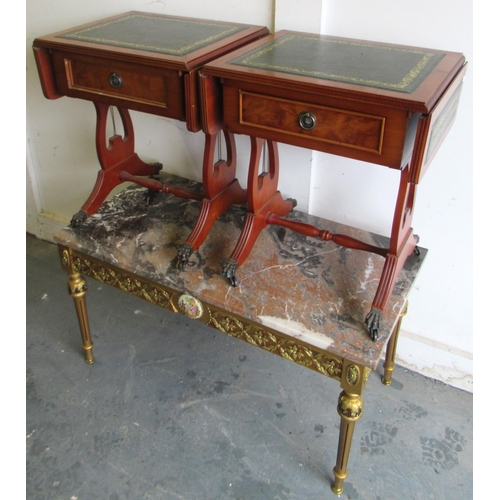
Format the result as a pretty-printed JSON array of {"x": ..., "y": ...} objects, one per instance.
[
  {"x": 222, "y": 190},
  {"x": 115, "y": 156},
  {"x": 266, "y": 206},
  {"x": 263, "y": 199}
]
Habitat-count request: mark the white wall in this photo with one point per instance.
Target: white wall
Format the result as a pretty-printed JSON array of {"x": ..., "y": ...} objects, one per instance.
[
  {"x": 437, "y": 336},
  {"x": 62, "y": 164}
]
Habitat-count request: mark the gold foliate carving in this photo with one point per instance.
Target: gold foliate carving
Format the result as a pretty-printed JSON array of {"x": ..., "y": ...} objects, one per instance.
[
  {"x": 331, "y": 367},
  {"x": 133, "y": 286},
  {"x": 77, "y": 286},
  {"x": 287, "y": 349},
  {"x": 261, "y": 338},
  {"x": 353, "y": 374},
  {"x": 350, "y": 406},
  {"x": 65, "y": 257},
  {"x": 227, "y": 324}
]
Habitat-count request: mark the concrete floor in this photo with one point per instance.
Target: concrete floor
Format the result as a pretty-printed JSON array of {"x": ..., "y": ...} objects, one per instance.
[{"x": 175, "y": 410}]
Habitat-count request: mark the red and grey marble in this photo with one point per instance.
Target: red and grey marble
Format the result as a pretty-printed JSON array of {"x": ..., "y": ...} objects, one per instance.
[{"x": 308, "y": 289}]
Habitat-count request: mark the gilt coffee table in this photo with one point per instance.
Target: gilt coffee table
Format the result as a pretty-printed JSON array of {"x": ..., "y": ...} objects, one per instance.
[{"x": 298, "y": 297}]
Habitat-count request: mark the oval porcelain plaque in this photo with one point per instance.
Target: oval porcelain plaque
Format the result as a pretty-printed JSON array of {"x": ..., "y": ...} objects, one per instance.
[{"x": 190, "y": 306}]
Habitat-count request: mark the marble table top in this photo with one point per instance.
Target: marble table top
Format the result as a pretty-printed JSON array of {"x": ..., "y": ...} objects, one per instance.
[{"x": 313, "y": 291}]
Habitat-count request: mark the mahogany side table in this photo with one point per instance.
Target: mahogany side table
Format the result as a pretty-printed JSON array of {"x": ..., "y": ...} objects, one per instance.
[
  {"x": 386, "y": 104},
  {"x": 149, "y": 63},
  {"x": 298, "y": 298}
]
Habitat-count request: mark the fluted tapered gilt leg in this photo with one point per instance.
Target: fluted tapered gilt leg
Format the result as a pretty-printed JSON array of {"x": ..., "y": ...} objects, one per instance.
[
  {"x": 77, "y": 289},
  {"x": 350, "y": 408},
  {"x": 390, "y": 355}
]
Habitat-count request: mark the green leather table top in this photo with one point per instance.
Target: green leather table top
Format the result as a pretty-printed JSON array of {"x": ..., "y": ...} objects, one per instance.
[
  {"x": 149, "y": 32},
  {"x": 390, "y": 67}
]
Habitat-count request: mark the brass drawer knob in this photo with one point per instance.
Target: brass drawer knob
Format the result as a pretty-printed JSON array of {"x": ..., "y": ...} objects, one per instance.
[
  {"x": 115, "y": 80},
  {"x": 307, "y": 120}
]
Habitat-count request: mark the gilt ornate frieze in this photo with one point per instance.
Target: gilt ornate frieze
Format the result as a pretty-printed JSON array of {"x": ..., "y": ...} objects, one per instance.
[{"x": 178, "y": 302}]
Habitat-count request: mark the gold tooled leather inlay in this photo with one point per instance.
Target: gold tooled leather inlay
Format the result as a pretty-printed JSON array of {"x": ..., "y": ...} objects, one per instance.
[
  {"x": 370, "y": 64},
  {"x": 168, "y": 35}
]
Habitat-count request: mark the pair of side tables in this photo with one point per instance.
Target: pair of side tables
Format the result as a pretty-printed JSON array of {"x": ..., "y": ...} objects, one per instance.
[{"x": 386, "y": 104}]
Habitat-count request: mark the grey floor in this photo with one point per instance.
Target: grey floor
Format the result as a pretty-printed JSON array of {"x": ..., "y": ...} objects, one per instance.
[{"x": 175, "y": 410}]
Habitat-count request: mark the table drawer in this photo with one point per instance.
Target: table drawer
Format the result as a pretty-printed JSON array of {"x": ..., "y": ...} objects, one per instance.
[
  {"x": 144, "y": 88},
  {"x": 340, "y": 127},
  {"x": 344, "y": 127}
]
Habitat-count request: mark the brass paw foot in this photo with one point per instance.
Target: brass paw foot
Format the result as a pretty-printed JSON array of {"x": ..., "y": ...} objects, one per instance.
[
  {"x": 417, "y": 250},
  {"x": 79, "y": 218},
  {"x": 183, "y": 255},
  {"x": 229, "y": 271},
  {"x": 372, "y": 321}
]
